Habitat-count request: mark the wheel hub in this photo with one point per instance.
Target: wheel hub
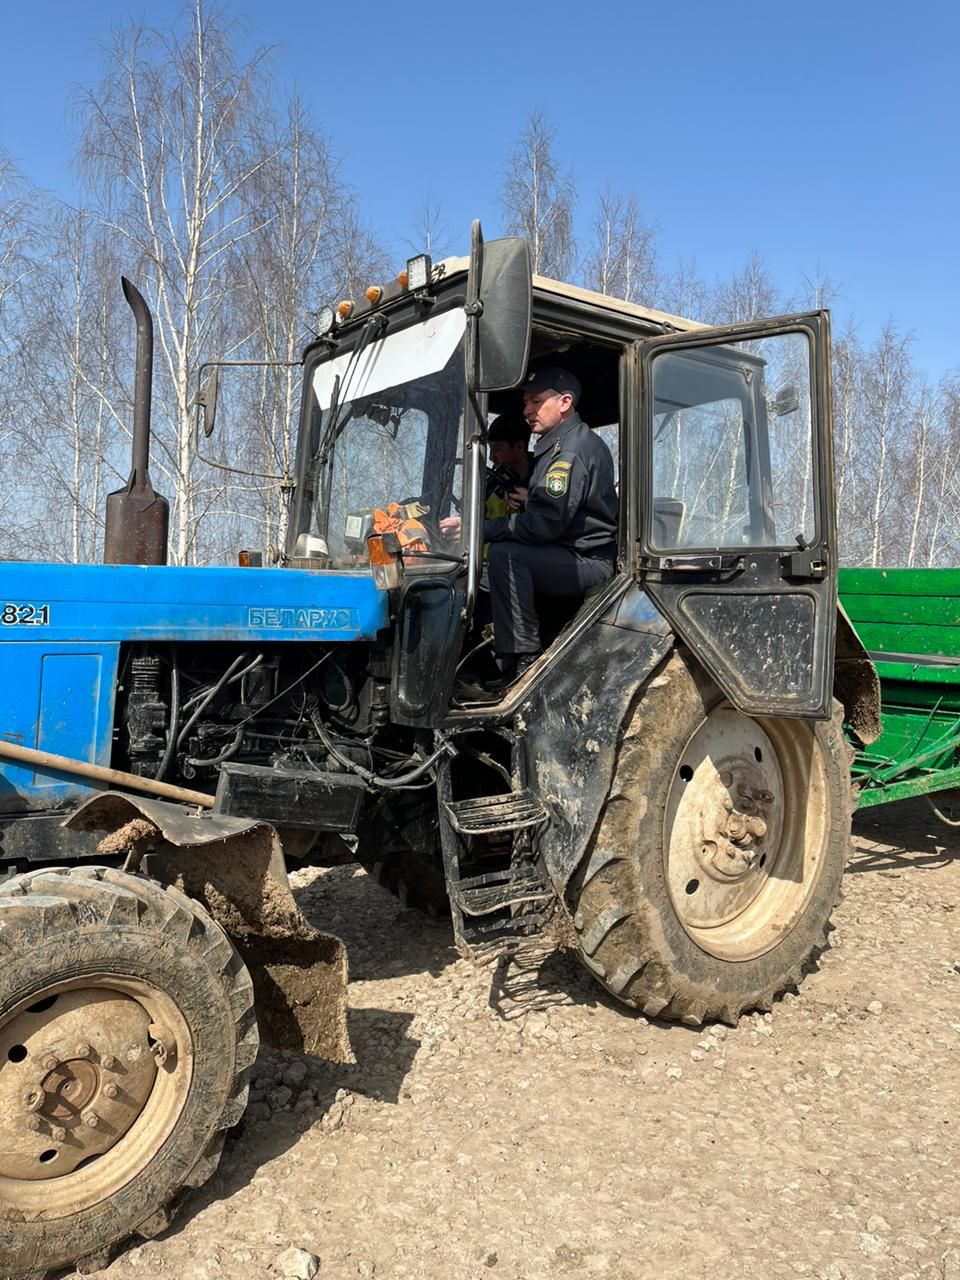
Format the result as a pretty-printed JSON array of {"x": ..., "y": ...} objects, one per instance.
[
  {"x": 744, "y": 826},
  {"x": 726, "y": 812},
  {"x": 78, "y": 1069},
  {"x": 734, "y": 846}
]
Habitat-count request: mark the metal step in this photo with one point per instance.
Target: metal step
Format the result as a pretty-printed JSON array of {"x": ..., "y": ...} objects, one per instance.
[
  {"x": 488, "y": 814},
  {"x": 497, "y": 890}
]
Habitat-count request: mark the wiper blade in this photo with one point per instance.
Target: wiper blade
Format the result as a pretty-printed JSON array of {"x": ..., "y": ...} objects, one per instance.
[{"x": 376, "y": 324}]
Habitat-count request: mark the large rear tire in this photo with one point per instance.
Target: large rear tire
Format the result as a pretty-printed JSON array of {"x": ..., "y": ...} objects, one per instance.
[
  {"x": 719, "y": 855},
  {"x": 127, "y": 1033}
]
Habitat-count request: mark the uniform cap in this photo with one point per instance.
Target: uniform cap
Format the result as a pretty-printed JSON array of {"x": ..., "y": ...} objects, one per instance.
[{"x": 552, "y": 378}]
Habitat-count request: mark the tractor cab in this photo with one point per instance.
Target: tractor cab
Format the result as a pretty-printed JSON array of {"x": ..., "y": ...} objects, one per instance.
[{"x": 720, "y": 442}]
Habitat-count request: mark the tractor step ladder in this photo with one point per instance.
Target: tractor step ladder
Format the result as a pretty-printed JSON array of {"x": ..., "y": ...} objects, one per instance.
[
  {"x": 489, "y": 814},
  {"x": 493, "y": 911}
]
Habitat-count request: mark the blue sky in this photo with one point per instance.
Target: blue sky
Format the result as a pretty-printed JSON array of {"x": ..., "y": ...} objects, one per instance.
[{"x": 822, "y": 135}]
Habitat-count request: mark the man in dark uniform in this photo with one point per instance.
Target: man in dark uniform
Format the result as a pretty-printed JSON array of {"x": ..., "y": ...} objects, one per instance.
[{"x": 564, "y": 540}]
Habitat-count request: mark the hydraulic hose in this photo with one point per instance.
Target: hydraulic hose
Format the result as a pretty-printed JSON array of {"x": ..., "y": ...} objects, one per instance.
[{"x": 372, "y": 779}]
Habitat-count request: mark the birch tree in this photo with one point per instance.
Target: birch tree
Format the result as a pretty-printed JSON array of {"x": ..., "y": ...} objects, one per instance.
[
  {"x": 429, "y": 233},
  {"x": 18, "y": 237},
  {"x": 886, "y": 387},
  {"x": 538, "y": 199},
  {"x": 847, "y": 405},
  {"x": 749, "y": 294},
  {"x": 308, "y": 248},
  {"x": 75, "y": 413},
  {"x": 622, "y": 262},
  {"x": 166, "y": 146}
]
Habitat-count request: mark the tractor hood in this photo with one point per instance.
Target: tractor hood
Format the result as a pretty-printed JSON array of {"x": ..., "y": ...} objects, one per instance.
[{"x": 53, "y": 602}]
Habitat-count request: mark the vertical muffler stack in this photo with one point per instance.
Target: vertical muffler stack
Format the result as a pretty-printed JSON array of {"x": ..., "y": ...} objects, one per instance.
[{"x": 137, "y": 518}]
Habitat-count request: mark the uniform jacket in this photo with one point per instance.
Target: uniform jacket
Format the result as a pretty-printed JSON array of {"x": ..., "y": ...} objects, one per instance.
[{"x": 572, "y": 500}]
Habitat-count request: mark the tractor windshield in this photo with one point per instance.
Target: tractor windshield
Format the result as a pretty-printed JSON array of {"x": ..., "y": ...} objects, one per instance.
[{"x": 383, "y": 446}]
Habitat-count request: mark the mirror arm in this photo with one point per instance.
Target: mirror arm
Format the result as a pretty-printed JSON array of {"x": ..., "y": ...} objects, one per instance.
[
  {"x": 199, "y": 400},
  {"x": 285, "y": 481},
  {"x": 474, "y": 508}
]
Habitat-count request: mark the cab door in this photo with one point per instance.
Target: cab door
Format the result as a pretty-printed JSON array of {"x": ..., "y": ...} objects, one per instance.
[{"x": 736, "y": 518}]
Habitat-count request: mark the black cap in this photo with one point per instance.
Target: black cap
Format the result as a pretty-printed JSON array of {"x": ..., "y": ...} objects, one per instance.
[
  {"x": 552, "y": 378},
  {"x": 509, "y": 427}
]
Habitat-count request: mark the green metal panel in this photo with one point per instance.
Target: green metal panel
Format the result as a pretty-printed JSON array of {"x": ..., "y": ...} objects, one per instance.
[
  {"x": 905, "y": 638},
  {"x": 909, "y": 621},
  {"x": 899, "y": 610},
  {"x": 900, "y": 582}
]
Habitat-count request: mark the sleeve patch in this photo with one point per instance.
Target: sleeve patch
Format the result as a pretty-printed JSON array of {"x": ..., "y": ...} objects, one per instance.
[{"x": 557, "y": 480}]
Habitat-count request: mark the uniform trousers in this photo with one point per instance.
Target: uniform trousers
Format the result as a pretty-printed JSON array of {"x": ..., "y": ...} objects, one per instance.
[{"x": 520, "y": 571}]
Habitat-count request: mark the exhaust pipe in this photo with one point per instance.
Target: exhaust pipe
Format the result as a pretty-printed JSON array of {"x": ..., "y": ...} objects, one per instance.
[{"x": 137, "y": 518}]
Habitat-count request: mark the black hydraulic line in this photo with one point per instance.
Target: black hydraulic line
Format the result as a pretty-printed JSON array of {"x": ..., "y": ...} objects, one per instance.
[
  {"x": 372, "y": 779},
  {"x": 227, "y": 754},
  {"x": 174, "y": 718},
  {"x": 212, "y": 693}
]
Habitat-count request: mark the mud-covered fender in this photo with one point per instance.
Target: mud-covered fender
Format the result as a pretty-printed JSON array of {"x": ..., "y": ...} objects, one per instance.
[
  {"x": 234, "y": 867},
  {"x": 573, "y": 722}
]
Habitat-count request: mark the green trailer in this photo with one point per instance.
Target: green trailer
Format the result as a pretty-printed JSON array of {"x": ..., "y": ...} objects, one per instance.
[{"x": 909, "y": 623}]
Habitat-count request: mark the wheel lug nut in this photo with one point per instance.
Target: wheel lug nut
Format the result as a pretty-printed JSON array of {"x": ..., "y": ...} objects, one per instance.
[
  {"x": 109, "y": 1063},
  {"x": 33, "y": 1099},
  {"x": 91, "y": 1120},
  {"x": 33, "y": 1123},
  {"x": 58, "y": 1134},
  {"x": 82, "y": 1050},
  {"x": 110, "y": 1090},
  {"x": 49, "y": 1062}
]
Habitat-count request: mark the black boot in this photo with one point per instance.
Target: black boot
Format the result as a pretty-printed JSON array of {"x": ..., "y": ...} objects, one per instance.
[
  {"x": 512, "y": 666},
  {"x": 524, "y": 661}
]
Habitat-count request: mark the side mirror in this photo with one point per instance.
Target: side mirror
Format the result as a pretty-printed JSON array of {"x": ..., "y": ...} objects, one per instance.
[
  {"x": 499, "y": 305},
  {"x": 787, "y": 400},
  {"x": 206, "y": 401}
]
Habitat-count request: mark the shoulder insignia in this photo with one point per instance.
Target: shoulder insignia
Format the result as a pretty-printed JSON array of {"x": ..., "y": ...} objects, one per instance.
[{"x": 557, "y": 479}]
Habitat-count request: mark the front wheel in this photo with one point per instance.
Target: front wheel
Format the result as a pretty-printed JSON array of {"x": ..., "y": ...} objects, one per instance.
[
  {"x": 126, "y": 1037},
  {"x": 719, "y": 854}
]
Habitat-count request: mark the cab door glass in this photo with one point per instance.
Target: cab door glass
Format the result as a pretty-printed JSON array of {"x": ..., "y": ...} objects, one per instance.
[
  {"x": 732, "y": 453},
  {"x": 610, "y": 435}
]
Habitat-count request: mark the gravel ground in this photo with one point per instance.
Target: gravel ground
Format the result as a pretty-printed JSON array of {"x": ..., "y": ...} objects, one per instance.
[{"x": 514, "y": 1122}]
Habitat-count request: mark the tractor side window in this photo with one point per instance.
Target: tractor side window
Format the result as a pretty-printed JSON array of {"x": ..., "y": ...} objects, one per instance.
[{"x": 732, "y": 452}]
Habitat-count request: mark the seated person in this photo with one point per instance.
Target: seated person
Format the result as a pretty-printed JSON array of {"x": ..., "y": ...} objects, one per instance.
[
  {"x": 563, "y": 542},
  {"x": 508, "y": 438}
]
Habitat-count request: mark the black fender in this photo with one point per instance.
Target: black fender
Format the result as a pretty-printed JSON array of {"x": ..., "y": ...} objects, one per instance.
[{"x": 571, "y": 724}]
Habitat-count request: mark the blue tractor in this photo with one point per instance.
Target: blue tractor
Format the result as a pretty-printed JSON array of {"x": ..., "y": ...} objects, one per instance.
[{"x": 666, "y": 789}]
